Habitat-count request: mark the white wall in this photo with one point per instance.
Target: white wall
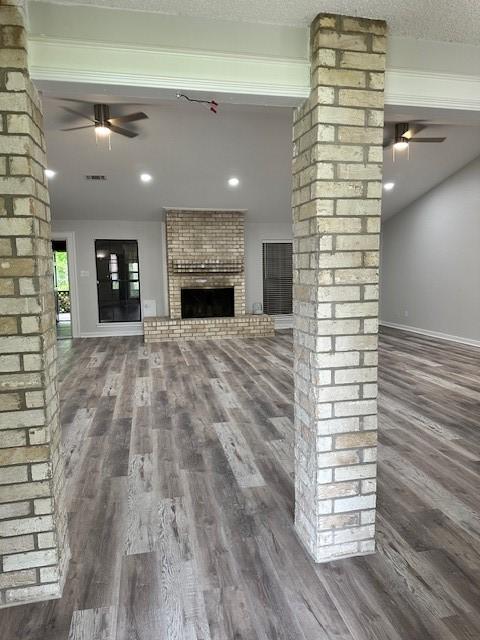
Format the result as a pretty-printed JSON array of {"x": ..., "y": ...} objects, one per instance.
[
  {"x": 151, "y": 249},
  {"x": 430, "y": 260},
  {"x": 149, "y": 236}
]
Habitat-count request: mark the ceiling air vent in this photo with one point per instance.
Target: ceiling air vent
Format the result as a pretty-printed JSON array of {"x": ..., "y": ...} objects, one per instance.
[{"x": 97, "y": 178}]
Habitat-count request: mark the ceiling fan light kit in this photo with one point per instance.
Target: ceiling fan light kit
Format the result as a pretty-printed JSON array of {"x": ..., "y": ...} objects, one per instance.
[
  {"x": 104, "y": 124},
  {"x": 405, "y": 133}
]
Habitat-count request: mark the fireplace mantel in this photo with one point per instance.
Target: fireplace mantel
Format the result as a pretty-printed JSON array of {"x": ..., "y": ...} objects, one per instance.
[{"x": 199, "y": 264}]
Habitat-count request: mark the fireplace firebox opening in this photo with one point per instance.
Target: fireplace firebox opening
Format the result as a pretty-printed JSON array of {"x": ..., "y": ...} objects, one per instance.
[{"x": 208, "y": 303}]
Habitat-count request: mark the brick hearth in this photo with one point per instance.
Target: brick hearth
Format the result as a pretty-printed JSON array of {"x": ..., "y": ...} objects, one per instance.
[{"x": 205, "y": 250}]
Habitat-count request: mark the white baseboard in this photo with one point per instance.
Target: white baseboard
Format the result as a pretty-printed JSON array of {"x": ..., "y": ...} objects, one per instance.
[
  {"x": 431, "y": 334},
  {"x": 111, "y": 334},
  {"x": 283, "y": 321},
  {"x": 112, "y": 331}
]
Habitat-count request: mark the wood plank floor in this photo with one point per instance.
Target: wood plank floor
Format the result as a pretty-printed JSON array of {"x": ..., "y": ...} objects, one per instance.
[{"x": 179, "y": 464}]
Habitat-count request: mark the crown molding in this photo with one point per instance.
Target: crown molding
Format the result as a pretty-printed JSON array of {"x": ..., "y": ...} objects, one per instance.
[
  {"x": 152, "y": 67},
  {"x": 89, "y": 62},
  {"x": 410, "y": 87},
  {"x": 174, "y": 82},
  {"x": 116, "y": 47}
]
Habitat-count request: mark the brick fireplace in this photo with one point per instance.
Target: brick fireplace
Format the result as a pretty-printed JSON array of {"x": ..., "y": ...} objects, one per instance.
[
  {"x": 206, "y": 278},
  {"x": 205, "y": 249}
]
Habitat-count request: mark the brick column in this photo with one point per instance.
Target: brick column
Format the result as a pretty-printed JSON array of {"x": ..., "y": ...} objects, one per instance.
[
  {"x": 337, "y": 186},
  {"x": 33, "y": 545}
]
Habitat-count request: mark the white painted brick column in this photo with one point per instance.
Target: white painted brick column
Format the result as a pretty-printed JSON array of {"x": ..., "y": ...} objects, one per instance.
[
  {"x": 33, "y": 537},
  {"x": 337, "y": 170}
]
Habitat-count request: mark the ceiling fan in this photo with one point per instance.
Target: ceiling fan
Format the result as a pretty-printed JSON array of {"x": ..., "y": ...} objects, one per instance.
[
  {"x": 104, "y": 124},
  {"x": 406, "y": 132}
]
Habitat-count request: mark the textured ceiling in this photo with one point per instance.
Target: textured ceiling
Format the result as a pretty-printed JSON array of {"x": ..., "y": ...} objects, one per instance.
[{"x": 444, "y": 20}]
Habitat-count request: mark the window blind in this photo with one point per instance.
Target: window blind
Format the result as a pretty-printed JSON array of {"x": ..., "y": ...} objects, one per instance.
[{"x": 277, "y": 278}]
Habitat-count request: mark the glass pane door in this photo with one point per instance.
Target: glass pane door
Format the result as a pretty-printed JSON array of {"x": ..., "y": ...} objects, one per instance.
[{"x": 118, "y": 280}]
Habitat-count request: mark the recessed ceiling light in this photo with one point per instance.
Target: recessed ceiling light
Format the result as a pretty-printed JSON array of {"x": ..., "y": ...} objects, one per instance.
[
  {"x": 388, "y": 186},
  {"x": 145, "y": 177},
  {"x": 50, "y": 173},
  {"x": 233, "y": 182}
]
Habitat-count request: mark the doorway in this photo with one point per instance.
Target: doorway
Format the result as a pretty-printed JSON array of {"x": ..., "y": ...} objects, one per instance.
[
  {"x": 65, "y": 285},
  {"x": 118, "y": 281},
  {"x": 61, "y": 289}
]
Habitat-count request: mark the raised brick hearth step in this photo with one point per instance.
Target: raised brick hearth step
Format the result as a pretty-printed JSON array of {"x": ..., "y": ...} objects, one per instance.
[{"x": 160, "y": 329}]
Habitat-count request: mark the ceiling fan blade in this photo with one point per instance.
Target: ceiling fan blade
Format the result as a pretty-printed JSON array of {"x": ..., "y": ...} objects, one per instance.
[
  {"x": 122, "y": 132},
  {"x": 86, "y": 126},
  {"x": 78, "y": 100},
  {"x": 413, "y": 130},
  {"x": 427, "y": 139},
  {"x": 77, "y": 113},
  {"x": 132, "y": 117}
]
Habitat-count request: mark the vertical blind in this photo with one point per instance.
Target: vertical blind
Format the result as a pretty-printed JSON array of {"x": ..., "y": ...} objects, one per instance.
[{"x": 277, "y": 277}]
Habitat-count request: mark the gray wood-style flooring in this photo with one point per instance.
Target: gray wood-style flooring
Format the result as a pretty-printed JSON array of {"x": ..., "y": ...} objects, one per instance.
[{"x": 180, "y": 498}]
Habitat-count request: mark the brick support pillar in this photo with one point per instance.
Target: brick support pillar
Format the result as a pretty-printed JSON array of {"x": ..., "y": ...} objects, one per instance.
[
  {"x": 33, "y": 545},
  {"x": 336, "y": 211}
]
